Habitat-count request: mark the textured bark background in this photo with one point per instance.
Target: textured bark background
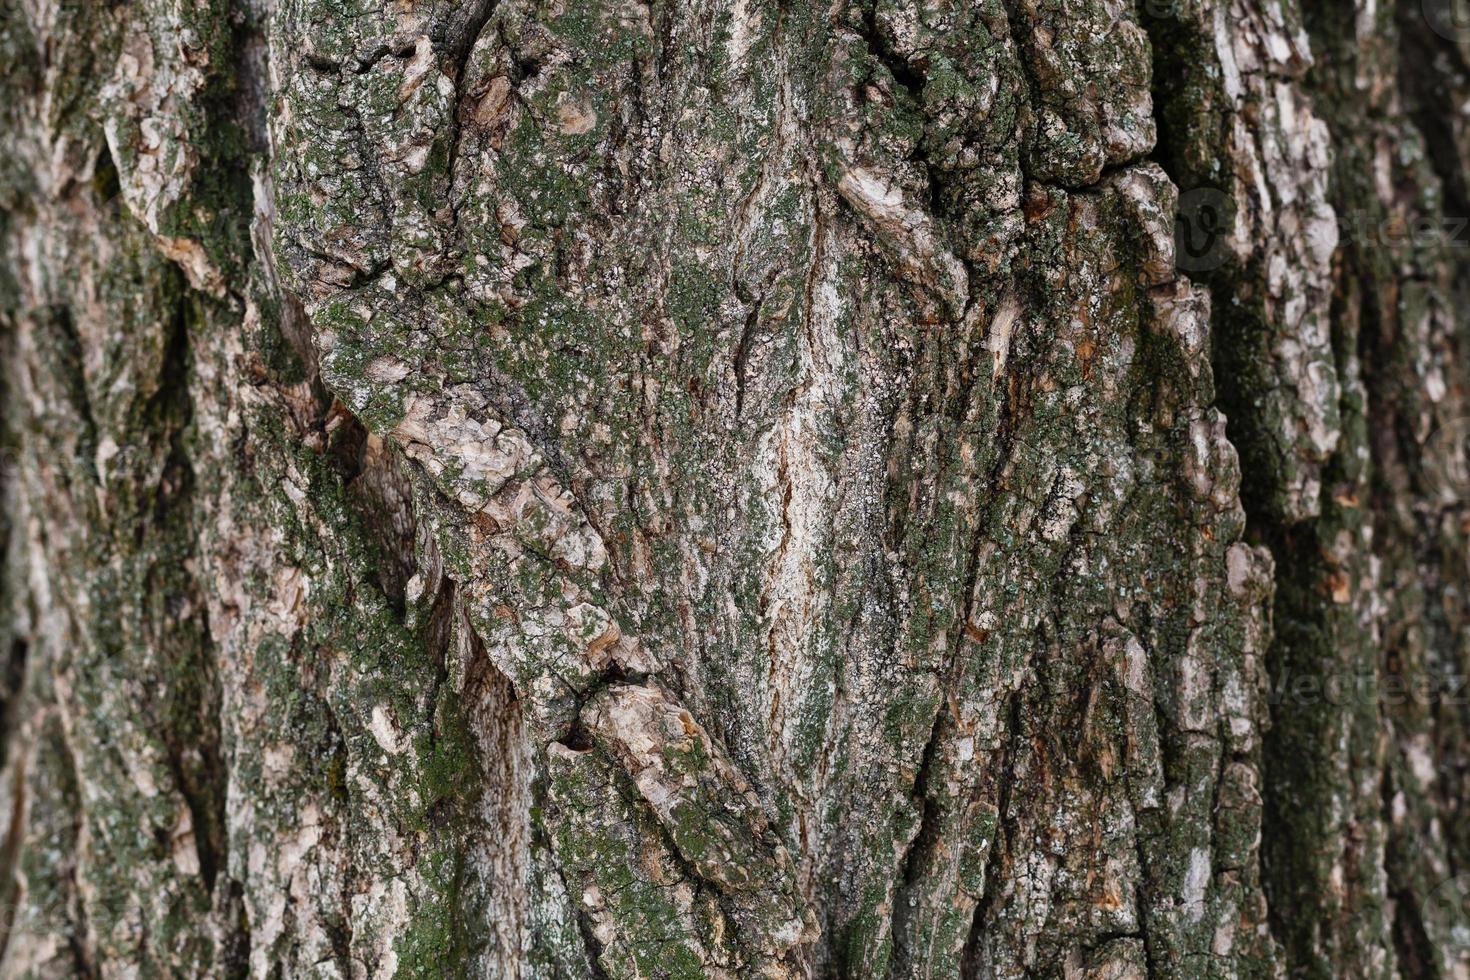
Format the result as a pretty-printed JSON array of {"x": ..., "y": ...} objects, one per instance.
[{"x": 894, "y": 488}]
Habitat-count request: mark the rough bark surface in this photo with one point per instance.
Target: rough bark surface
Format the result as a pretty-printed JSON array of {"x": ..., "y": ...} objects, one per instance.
[{"x": 888, "y": 488}]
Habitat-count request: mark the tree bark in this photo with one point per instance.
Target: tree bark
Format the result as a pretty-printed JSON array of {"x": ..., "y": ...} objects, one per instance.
[{"x": 509, "y": 488}]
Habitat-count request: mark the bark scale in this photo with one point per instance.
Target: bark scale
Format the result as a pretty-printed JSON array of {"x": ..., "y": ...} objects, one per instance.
[{"x": 508, "y": 488}]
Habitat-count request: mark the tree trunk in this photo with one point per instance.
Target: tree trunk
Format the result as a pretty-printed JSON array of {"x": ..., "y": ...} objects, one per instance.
[{"x": 735, "y": 488}]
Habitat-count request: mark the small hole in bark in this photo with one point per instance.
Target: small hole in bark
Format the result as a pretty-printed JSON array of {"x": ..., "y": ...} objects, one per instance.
[{"x": 577, "y": 738}]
